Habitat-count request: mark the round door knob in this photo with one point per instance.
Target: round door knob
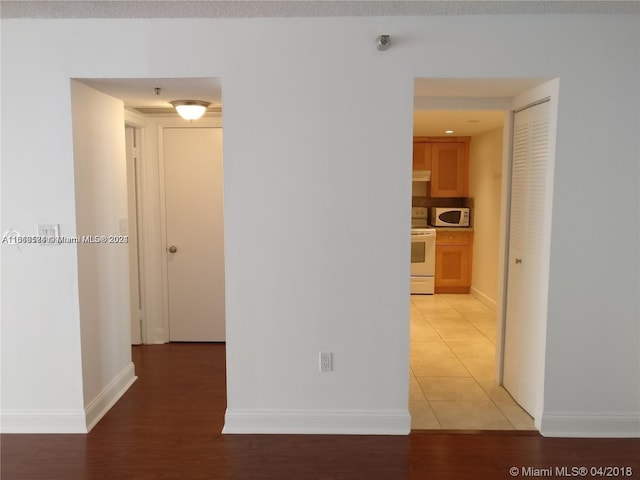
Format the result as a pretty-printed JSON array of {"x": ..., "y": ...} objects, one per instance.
[
  {"x": 518, "y": 260},
  {"x": 173, "y": 249}
]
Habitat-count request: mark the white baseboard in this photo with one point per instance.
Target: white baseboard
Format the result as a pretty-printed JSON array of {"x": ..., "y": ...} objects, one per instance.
[
  {"x": 42, "y": 421},
  {"x": 318, "y": 422},
  {"x": 595, "y": 426},
  {"x": 489, "y": 302},
  {"x": 68, "y": 421},
  {"x": 99, "y": 406}
]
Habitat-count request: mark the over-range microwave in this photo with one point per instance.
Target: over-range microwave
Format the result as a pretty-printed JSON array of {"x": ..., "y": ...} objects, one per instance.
[{"x": 449, "y": 217}]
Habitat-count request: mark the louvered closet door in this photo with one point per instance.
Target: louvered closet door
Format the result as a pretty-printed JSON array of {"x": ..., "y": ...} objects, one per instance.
[{"x": 525, "y": 309}]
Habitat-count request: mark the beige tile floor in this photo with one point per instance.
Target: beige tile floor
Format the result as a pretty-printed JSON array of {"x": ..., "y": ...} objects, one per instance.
[{"x": 452, "y": 364}]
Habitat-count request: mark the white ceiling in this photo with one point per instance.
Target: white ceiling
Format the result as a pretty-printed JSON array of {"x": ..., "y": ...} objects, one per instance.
[
  {"x": 428, "y": 123},
  {"x": 299, "y": 8},
  {"x": 140, "y": 94},
  {"x": 473, "y": 87},
  {"x": 464, "y": 92}
]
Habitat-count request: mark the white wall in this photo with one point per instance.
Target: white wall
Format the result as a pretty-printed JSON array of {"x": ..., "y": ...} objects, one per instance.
[
  {"x": 103, "y": 268},
  {"x": 316, "y": 124},
  {"x": 485, "y": 181}
]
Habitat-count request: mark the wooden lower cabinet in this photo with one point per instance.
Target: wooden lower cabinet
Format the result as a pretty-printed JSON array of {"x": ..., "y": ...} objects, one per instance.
[{"x": 454, "y": 255}]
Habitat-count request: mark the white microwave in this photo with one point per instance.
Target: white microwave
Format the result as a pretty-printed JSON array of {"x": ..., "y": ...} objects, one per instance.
[{"x": 449, "y": 217}]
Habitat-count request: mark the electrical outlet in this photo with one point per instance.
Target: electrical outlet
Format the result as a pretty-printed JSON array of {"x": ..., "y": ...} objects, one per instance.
[{"x": 326, "y": 361}]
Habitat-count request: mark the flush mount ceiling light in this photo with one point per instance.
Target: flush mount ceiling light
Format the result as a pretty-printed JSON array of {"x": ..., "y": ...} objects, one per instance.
[{"x": 190, "y": 109}]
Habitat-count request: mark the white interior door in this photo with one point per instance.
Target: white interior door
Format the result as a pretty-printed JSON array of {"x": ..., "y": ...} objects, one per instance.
[
  {"x": 526, "y": 285},
  {"x": 194, "y": 232}
]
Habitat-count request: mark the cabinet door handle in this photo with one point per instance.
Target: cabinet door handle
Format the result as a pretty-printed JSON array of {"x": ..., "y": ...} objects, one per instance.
[{"x": 518, "y": 260}]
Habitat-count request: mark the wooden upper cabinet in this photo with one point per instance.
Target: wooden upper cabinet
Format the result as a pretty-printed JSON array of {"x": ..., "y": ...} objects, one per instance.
[
  {"x": 450, "y": 170},
  {"x": 421, "y": 156},
  {"x": 448, "y": 160}
]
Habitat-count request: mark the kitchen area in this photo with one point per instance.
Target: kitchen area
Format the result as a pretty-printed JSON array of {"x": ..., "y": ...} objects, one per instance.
[
  {"x": 457, "y": 194},
  {"x": 455, "y": 246},
  {"x": 441, "y": 233}
]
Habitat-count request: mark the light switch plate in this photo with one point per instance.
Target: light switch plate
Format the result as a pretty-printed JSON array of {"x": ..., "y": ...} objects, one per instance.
[{"x": 50, "y": 231}]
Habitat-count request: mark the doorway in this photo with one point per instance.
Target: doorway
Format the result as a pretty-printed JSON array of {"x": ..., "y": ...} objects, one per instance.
[
  {"x": 457, "y": 340},
  {"x": 191, "y": 159},
  {"x": 122, "y": 197},
  {"x": 147, "y": 108}
]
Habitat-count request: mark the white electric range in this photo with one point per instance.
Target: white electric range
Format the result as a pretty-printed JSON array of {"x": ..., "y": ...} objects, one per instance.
[{"x": 423, "y": 253}]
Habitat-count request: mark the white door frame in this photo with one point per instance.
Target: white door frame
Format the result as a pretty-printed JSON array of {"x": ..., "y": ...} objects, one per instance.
[
  {"x": 134, "y": 242},
  {"x": 507, "y": 104},
  {"x": 549, "y": 90},
  {"x": 139, "y": 124}
]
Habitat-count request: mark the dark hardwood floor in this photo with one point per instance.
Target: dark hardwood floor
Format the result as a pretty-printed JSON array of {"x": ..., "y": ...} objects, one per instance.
[{"x": 167, "y": 426}]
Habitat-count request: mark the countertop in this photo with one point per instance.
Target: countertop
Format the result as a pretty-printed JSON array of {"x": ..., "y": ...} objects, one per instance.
[{"x": 452, "y": 229}]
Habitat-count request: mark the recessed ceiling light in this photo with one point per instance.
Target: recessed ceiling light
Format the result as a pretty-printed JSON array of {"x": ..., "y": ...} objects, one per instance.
[{"x": 448, "y": 131}]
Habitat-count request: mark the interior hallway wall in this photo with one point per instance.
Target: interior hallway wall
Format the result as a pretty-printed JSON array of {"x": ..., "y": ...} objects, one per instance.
[
  {"x": 485, "y": 183},
  {"x": 318, "y": 126},
  {"x": 103, "y": 267}
]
